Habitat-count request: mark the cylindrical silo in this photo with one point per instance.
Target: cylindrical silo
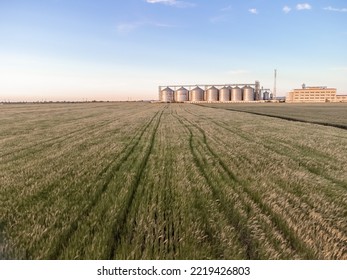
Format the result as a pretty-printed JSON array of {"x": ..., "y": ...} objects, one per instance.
[
  {"x": 212, "y": 94},
  {"x": 196, "y": 94},
  {"x": 167, "y": 95},
  {"x": 224, "y": 94},
  {"x": 236, "y": 94},
  {"x": 266, "y": 95},
  {"x": 181, "y": 95},
  {"x": 247, "y": 93}
]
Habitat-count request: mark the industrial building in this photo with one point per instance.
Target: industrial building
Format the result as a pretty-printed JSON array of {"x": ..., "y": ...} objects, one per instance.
[
  {"x": 214, "y": 93},
  {"x": 314, "y": 94}
]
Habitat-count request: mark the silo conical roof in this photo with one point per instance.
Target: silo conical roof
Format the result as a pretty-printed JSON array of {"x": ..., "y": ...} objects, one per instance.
[{"x": 167, "y": 89}]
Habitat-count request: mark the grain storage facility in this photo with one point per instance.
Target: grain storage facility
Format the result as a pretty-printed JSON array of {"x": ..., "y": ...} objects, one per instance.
[
  {"x": 181, "y": 95},
  {"x": 236, "y": 94},
  {"x": 247, "y": 93},
  {"x": 224, "y": 94},
  {"x": 167, "y": 95},
  {"x": 196, "y": 94},
  {"x": 212, "y": 93}
]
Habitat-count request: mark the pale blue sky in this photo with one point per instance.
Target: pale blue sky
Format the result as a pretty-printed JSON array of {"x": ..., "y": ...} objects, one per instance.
[{"x": 120, "y": 50}]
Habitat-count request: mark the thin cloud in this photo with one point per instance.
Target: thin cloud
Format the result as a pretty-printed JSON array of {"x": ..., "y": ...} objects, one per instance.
[
  {"x": 175, "y": 3},
  {"x": 253, "y": 11},
  {"x": 341, "y": 10},
  {"x": 303, "y": 6},
  {"x": 286, "y": 9}
]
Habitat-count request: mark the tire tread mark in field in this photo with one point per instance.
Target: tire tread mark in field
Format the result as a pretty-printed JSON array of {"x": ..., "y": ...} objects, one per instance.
[
  {"x": 109, "y": 172},
  {"x": 280, "y": 152},
  {"x": 295, "y": 242},
  {"x": 44, "y": 192},
  {"x": 341, "y": 126},
  {"x": 170, "y": 232},
  {"x": 232, "y": 216},
  {"x": 273, "y": 148},
  {"x": 118, "y": 228},
  {"x": 311, "y": 169},
  {"x": 199, "y": 205},
  {"x": 276, "y": 219}
]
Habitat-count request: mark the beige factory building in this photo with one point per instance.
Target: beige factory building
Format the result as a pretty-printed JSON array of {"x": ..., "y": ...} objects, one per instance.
[{"x": 315, "y": 94}]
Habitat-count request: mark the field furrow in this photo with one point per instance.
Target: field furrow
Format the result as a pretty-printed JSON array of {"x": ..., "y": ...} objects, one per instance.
[
  {"x": 335, "y": 226},
  {"x": 246, "y": 202},
  {"x": 172, "y": 181}
]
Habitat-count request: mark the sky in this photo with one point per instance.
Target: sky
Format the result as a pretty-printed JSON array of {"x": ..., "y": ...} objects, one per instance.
[{"x": 77, "y": 50}]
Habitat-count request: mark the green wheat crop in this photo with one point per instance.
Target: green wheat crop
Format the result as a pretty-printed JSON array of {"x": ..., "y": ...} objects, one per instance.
[{"x": 171, "y": 181}]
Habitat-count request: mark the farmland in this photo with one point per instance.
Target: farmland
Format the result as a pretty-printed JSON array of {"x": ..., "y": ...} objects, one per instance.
[
  {"x": 331, "y": 114},
  {"x": 170, "y": 181}
]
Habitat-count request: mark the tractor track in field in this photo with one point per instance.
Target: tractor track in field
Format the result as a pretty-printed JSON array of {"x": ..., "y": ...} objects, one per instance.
[
  {"x": 281, "y": 151},
  {"x": 118, "y": 229},
  {"x": 244, "y": 234},
  {"x": 169, "y": 231},
  {"x": 173, "y": 182},
  {"x": 335, "y": 192},
  {"x": 211, "y": 234},
  {"x": 337, "y": 229},
  {"x": 341, "y": 126},
  {"x": 108, "y": 172},
  {"x": 45, "y": 191},
  {"x": 232, "y": 216}
]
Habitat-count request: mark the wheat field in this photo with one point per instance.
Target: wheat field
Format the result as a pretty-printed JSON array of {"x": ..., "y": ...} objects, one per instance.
[{"x": 169, "y": 181}]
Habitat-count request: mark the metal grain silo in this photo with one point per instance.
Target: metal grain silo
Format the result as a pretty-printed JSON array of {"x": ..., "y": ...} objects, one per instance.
[
  {"x": 212, "y": 94},
  {"x": 196, "y": 94},
  {"x": 247, "y": 93},
  {"x": 167, "y": 95},
  {"x": 181, "y": 95},
  {"x": 266, "y": 95},
  {"x": 224, "y": 94},
  {"x": 236, "y": 94}
]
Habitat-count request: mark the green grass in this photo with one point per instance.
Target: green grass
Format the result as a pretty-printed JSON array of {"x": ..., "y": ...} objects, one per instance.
[{"x": 159, "y": 181}]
